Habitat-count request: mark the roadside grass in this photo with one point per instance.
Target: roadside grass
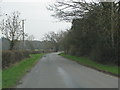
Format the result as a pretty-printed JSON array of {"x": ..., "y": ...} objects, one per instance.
[
  {"x": 13, "y": 74},
  {"x": 90, "y": 63},
  {"x": 0, "y": 79}
]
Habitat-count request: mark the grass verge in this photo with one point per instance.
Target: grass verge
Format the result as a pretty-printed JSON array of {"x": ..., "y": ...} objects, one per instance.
[
  {"x": 113, "y": 70},
  {"x": 11, "y": 75},
  {"x": 0, "y": 79}
]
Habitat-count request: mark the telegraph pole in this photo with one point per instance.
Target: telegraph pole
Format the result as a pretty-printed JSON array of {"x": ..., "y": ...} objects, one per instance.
[
  {"x": 23, "y": 34},
  {"x": 23, "y": 28}
]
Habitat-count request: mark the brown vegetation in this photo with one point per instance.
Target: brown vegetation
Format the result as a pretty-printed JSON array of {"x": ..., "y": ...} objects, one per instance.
[{"x": 12, "y": 57}]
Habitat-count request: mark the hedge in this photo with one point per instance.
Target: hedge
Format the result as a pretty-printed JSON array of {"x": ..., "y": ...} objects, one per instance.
[{"x": 12, "y": 57}]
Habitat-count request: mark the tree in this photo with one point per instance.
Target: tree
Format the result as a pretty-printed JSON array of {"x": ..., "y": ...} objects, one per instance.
[
  {"x": 11, "y": 28},
  {"x": 70, "y": 9},
  {"x": 95, "y": 29},
  {"x": 30, "y": 42},
  {"x": 55, "y": 39}
]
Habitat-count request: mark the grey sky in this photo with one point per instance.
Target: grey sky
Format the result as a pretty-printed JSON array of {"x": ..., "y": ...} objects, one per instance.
[{"x": 38, "y": 18}]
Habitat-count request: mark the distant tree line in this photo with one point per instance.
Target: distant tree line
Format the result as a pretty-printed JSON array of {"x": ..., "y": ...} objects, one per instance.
[
  {"x": 29, "y": 45},
  {"x": 95, "y": 31}
]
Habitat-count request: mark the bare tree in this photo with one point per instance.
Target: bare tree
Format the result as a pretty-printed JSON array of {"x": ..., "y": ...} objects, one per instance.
[
  {"x": 70, "y": 9},
  {"x": 11, "y": 28},
  {"x": 29, "y": 42},
  {"x": 30, "y": 37},
  {"x": 55, "y": 39}
]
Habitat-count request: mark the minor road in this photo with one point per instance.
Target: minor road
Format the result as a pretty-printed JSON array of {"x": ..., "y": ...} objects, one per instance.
[{"x": 54, "y": 71}]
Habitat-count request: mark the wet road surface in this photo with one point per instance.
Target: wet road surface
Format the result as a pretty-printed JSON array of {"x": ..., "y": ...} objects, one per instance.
[{"x": 54, "y": 71}]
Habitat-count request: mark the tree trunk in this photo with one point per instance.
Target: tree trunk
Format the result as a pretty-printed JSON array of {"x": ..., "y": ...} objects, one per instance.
[{"x": 11, "y": 45}]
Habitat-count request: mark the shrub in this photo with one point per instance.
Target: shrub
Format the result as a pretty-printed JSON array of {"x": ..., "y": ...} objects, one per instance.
[
  {"x": 11, "y": 57},
  {"x": 35, "y": 52},
  {"x": 105, "y": 55}
]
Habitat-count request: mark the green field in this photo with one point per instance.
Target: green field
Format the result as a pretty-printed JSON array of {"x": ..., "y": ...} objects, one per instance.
[
  {"x": 12, "y": 75},
  {"x": 93, "y": 64}
]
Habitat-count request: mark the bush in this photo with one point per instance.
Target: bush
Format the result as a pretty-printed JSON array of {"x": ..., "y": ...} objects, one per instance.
[
  {"x": 35, "y": 52},
  {"x": 11, "y": 57},
  {"x": 105, "y": 55}
]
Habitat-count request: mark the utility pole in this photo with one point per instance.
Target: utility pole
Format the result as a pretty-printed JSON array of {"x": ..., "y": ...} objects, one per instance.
[{"x": 23, "y": 34}]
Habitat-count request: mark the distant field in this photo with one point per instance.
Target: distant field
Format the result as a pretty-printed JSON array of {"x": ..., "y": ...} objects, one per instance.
[
  {"x": 11, "y": 75},
  {"x": 93, "y": 64}
]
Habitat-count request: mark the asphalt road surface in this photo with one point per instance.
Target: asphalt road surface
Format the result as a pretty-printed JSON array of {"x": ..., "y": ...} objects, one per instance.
[{"x": 54, "y": 71}]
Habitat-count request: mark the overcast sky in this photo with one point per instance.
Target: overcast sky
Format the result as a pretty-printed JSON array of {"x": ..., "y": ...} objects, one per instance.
[{"x": 38, "y": 18}]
